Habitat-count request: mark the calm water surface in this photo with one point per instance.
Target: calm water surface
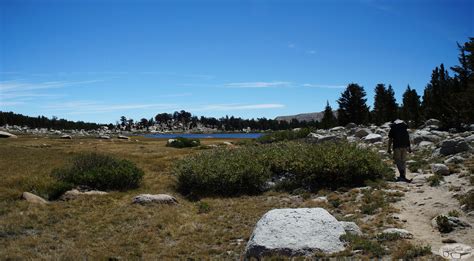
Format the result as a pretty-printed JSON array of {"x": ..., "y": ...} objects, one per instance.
[{"x": 205, "y": 135}]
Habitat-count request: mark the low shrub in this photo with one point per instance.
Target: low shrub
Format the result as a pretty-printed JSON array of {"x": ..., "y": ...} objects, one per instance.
[
  {"x": 453, "y": 213},
  {"x": 181, "y": 142},
  {"x": 99, "y": 171},
  {"x": 372, "y": 201},
  {"x": 284, "y": 135},
  {"x": 246, "y": 170},
  {"x": 468, "y": 200},
  {"x": 443, "y": 224},
  {"x": 435, "y": 180},
  {"x": 407, "y": 251},
  {"x": 369, "y": 247}
]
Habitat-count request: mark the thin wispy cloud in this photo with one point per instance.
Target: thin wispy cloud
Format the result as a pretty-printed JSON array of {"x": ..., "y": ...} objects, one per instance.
[
  {"x": 181, "y": 75},
  {"x": 10, "y": 86},
  {"x": 326, "y": 86},
  {"x": 291, "y": 45},
  {"x": 16, "y": 92},
  {"x": 88, "y": 107},
  {"x": 311, "y": 52},
  {"x": 256, "y": 84}
]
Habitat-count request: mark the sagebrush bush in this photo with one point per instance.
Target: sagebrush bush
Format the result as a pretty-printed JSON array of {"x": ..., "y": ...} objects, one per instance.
[
  {"x": 181, "y": 142},
  {"x": 372, "y": 248},
  {"x": 222, "y": 172},
  {"x": 284, "y": 135},
  {"x": 100, "y": 171},
  {"x": 309, "y": 166}
]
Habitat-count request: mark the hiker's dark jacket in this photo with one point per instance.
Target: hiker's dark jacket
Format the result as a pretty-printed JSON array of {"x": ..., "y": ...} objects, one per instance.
[{"x": 399, "y": 134}]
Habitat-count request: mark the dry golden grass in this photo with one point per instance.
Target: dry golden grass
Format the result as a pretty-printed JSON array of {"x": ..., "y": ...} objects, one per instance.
[{"x": 103, "y": 227}]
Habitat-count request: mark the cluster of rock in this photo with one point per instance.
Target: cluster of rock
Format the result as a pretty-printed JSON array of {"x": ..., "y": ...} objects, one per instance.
[
  {"x": 143, "y": 199},
  {"x": 102, "y": 133},
  {"x": 429, "y": 136}
]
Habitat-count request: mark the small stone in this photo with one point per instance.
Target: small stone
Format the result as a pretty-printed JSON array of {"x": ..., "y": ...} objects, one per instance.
[
  {"x": 351, "y": 228},
  {"x": 122, "y": 137},
  {"x": 440, "y": 169}
]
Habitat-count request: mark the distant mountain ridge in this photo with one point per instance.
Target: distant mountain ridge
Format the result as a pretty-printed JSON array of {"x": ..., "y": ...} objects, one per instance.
[{"x": 316, "y": 116}]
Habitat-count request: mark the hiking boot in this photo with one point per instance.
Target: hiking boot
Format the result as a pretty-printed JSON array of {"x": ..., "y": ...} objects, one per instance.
[{"x": 403, "y": 179}]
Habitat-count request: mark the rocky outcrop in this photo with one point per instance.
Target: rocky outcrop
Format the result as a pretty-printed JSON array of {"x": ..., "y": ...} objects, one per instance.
[
  {"x": 362, "y": 132},
  {"x": 158, "y": 198},
  {"x": 454, "y": 146},
  {"x": 424, "y": 135},
  {"x": 295, "y": 232}
]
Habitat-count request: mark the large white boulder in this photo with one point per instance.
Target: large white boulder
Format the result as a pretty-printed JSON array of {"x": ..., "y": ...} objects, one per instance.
[
  {"x": 32, "y": 198},
  {"x": 4, "y": 134},
  {"x": 292, "y": 232},
  {"x": 372, "y": 138}
]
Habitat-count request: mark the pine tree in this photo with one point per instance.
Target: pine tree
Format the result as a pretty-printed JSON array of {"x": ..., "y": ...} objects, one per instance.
[
  {"x": 328, "y": 120},
  {"x": 410, "y": 110},
  {"x": 352, "y": 105},
  {"x": 391, "y": 106},
  {"x": 378, "y": 114},
  {"x": 463, "y": 83}
]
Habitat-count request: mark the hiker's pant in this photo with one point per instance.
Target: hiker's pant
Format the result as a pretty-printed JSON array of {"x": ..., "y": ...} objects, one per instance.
[{"x": 400, "y": 157}]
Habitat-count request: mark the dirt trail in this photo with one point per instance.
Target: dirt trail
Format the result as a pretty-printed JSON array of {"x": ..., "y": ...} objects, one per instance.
[{"x": 422, "y": 202}]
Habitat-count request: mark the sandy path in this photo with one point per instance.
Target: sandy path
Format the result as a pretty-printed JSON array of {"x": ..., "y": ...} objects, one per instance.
[{"x": 421, "y": 203}]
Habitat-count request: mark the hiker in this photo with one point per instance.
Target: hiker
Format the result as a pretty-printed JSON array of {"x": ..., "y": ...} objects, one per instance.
[{"x": 398, "y": 135}]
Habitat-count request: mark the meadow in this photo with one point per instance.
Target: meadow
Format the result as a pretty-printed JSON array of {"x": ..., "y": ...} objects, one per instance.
[{"x": 111, "y": 227}]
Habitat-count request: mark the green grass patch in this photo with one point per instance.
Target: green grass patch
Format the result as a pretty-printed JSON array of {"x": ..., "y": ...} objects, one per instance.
[{"x": 435, "y": 180}]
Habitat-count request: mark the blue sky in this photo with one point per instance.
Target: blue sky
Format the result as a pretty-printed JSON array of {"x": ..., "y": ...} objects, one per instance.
[{"x": 97, "y": 60}]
